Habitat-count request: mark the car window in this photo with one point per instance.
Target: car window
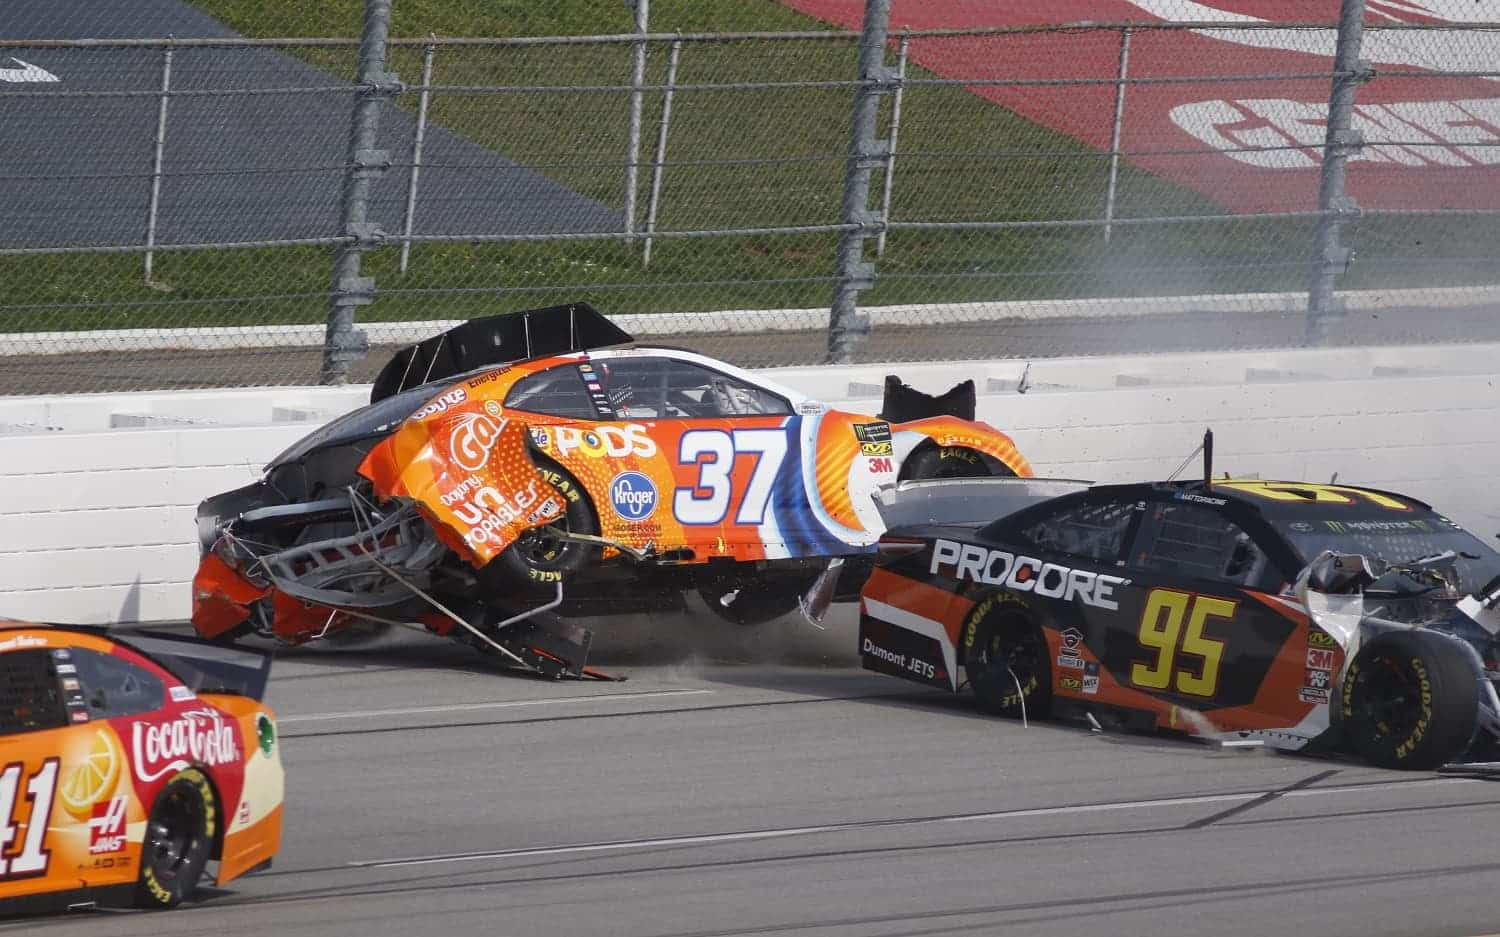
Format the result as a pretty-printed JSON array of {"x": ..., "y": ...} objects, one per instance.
[
  {"x": 1197, "y": 541},
  {"x": 113, "y": 686},
  {"x": 1091, "y": 530},
  {"x": 31, "y": 698},
  {"x": 558, "y": 391},
  {"x": 649, "y": 388}
]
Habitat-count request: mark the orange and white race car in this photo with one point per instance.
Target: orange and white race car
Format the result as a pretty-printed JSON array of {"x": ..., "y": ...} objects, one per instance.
[
  {"x": 130, "y": 763},
  {"x": 531, "y": 456}
]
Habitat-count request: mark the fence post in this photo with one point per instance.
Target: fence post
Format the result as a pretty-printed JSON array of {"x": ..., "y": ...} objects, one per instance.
[
  {"x": 416, "y": 156},
  {"x": 342, "y": 343},
  {"x": 1114, "y": 137},
  {"x": 1331, "y": 258},
  {"x": 658, "y": 166},
  {"x": 847, "y": 329},
  {"x": 637, "y": 79},
  {"x": 156, "y": 160},
  {"x": 889, "y": 175}
]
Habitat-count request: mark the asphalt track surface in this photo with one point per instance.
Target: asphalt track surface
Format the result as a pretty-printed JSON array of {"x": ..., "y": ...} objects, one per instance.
[
  {"x": 936, "y": 341},
  {"x": 76, "y": 170},
  {"x": 730, "y": 789}
]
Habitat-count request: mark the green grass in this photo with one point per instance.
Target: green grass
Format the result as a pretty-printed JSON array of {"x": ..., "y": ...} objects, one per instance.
[{"x": 574, "y": 138}]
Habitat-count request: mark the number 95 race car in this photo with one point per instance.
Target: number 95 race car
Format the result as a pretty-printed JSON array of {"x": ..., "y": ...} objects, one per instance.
[
  {"x": 528, "y": 457},
  {"x": 1298, "y": 616}
]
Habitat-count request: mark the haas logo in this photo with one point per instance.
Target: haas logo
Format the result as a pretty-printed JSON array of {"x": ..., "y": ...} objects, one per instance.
[
  {"x": 107, "y": 827},
  {"x": 473, "y": 438}
]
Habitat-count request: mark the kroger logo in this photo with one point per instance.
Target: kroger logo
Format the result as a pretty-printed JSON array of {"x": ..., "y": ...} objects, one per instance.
[{"x": 633, "y": 495}]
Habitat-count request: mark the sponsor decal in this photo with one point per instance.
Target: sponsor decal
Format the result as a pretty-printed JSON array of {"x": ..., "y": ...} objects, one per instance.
[
  {"x": 199, "y": 736},
  {"x": 1302, "y": 527},
  {"x": 1091, "y": 684},
  {"x": 1317, "y": 679},
  {"x": 811, "y": 408},
  {"x": 615, "y": 441},
  {"x": 1025, "y": 574},
  {"x": 440, "y": 404},
  {"x": 1091, "y": 668},
  {"x": 1354, "y": 527},
  {"x": 488, "y": 511},
  {"x": 62, "y": 653},
  {"x": 633, "y": 496},
  {"x": 1071, "y": 683},
  {"x": 472, "y": 439},
  {"x": 540, "y": 437},
  {"x": 1319, "y": 658},
  {"x": 876, "y": 449},
  {"x": 1311, "y": 695},
  {"x": 492, "y": 408},
  {"x": 486, "y": 378},
  {"x": 874, "y": 439},
  {"x": 882, "y": 465},
  {"x": 1199, "y": 499},
  {"x": 916, "y": 665},
  {"x": 265, "y": 733},
  {"x": 244, "y": 814},
  {"x": 23, "y": 641},
  {"x": 1320, "y": 639},
  {"x": 180, "y": 694},
  {"x": 79, "y": 715},
  {"x": 1069, "y": 662},
  {"x": 63, "y": 668},
  {"x": 1072, "y": 639},
  {"x": 107, "y": 827},
  {"x": 70, "y": 684}
]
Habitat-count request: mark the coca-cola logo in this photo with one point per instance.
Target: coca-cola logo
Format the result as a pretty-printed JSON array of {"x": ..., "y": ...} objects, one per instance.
[
  {"x": 473, "y": 438},
  {"x": 195, "y": 737}
]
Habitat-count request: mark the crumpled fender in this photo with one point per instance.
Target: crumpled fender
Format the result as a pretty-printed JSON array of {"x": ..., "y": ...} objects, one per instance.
[
  {"x": 468, "y": 469},
  {"x": 952, "y": 431},
  {"x": 221, "y": 597}
]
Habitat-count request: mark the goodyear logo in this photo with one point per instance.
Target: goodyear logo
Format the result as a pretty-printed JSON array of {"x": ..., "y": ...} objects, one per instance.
[{"x": 633, "y": 496}]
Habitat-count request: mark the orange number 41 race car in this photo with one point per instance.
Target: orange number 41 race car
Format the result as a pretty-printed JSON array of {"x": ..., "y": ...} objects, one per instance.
[
  {"x": 525, "y": 462},
  {"x": 130, "y": 763}
]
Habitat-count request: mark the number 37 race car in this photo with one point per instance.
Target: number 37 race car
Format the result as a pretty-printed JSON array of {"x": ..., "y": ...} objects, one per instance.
[
  {"x": 528, "y": 462},
  {"x": 128, "y": 764},
  {"x": 1297, "y": 616}
]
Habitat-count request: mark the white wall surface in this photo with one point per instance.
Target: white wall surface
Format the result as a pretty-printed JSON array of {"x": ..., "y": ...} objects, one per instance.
[{"x": 98, "y": 492}]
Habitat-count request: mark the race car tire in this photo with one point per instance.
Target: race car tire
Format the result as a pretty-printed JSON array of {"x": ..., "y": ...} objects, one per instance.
[
  {"x": 1410, "y": 700},
  {"x": 535, "y": 562},
  {"x": 179, "y": 840},
  {"x": 757, "y": 600},
  {"x": 999, "y": 644},
  {"x": 931, "y": 461}
]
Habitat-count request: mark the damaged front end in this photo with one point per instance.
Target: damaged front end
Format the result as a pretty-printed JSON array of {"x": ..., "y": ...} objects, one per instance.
[{"x": 1441, "y": 675}]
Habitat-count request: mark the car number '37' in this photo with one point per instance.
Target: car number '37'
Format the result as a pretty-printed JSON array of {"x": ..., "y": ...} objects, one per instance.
[{"x": 714, "y": 451}]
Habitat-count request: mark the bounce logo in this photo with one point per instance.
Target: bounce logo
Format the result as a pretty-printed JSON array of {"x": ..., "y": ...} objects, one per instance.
[{"x": 633, "y": 495}]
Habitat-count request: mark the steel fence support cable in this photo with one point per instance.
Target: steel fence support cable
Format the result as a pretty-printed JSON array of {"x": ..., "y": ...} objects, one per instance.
[
  {"x": 633, "y": 132},
  {"x": 418, "y": 138},
  {"x": 658, "y": 165},
  {"x": 847, "y": 329},
  {"x": 889, "y": 176},
  {"x": 1114, "y": 136},
  {"x": 1330, "y": 257},
  {"x": 343, "y": 344},
  {"x": 156, "y": 163}
]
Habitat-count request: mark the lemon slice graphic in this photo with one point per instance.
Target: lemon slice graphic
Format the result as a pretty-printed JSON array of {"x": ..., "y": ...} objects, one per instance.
[{"x": 94, "y": 779}]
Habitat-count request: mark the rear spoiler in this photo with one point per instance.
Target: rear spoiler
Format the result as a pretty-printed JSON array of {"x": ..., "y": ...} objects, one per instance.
[
  {"x": 496, "y": 340},
  {"x": 966, "y": 500},
  {"x": 203, "y": 666}
]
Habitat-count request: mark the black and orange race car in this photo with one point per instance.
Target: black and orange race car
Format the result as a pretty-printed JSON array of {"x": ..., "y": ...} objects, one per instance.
[
  {"x": 129, "y": 765},
  {"x": 1297, "y": 616}
]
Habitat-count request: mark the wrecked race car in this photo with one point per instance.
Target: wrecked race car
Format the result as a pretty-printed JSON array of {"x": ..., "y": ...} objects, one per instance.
[
  {"x": 1296, "y": 616},
  {"x": 532, "y": 465}
]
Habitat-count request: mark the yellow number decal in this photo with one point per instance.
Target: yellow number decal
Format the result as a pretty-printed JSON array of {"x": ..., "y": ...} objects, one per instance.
[
  {"x": 1312, "y": 494},
  {"x": 1161, "y": 623},
  {"x": 1162, "y": 626},
  {"x": 1206, "y": 682}
]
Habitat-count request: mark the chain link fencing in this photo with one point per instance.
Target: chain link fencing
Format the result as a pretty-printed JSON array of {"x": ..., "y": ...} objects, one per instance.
[{"x": 182, "y": 212}]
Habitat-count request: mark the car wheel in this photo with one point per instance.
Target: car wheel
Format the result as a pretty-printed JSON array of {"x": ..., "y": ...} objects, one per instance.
[
  {"x": 756, "y": 599},
  {"x": 179, "y": 838},
  {"x": 1410, "y": 700},
  {"x": 950, "y": 462},
  {"x": 1006, "y": 662},
  {"x": 536, "y": 561}
]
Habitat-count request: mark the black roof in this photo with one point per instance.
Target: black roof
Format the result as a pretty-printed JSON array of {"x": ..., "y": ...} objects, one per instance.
[{"x": 1277, "y": 500}]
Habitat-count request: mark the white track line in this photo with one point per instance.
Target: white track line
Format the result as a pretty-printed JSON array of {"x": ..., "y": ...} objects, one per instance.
[
  {"x": 713, "y": 838},
  {"x": 498, "y": 704}
]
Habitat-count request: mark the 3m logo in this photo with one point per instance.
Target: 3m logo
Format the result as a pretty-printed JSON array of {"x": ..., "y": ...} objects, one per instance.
[{"x": 107, "y": 827}]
